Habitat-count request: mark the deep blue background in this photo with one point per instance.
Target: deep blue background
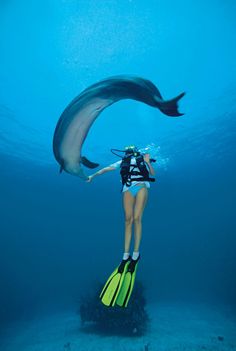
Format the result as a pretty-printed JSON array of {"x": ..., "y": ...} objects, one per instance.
[{"x": 58, "y": 235}]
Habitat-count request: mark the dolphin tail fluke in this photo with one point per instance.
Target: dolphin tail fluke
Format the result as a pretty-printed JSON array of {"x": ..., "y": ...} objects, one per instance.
[
  {"x": 88, "y": 163},
  {"x": 170, "y": 107}
]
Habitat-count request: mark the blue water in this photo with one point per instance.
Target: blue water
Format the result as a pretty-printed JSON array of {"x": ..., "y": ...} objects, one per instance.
[{"x": 58, "y": 235}]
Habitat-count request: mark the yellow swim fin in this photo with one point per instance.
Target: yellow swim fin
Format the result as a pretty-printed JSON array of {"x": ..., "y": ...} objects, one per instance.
[
  {"x": 128, "y": 284},
  {"x": 114, "y": 283}
]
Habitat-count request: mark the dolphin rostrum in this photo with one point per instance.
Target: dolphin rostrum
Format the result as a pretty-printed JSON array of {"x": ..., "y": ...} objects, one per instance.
[{"x": 78, "y": 117}]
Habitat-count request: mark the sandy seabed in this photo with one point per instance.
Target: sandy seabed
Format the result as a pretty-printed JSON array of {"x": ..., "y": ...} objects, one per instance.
[{"x": 174, "y": 327}]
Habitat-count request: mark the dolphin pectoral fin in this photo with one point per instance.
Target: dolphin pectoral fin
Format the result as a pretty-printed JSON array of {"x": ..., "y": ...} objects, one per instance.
[
  {"x": 61, "y": 169},
  {"x": 170, "y": 107},
  {"x": 88, "y": 163}
]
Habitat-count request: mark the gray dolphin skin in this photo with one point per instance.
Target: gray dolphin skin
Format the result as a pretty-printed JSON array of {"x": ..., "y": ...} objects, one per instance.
[{"x": 78, "y": 117}]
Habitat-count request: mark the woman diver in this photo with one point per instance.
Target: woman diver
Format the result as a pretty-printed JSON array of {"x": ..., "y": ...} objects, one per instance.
[{"x": 135, "y": 169}]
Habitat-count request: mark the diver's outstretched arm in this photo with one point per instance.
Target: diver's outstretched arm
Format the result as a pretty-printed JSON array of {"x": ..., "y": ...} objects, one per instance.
[{"x": 100, "y": 172}]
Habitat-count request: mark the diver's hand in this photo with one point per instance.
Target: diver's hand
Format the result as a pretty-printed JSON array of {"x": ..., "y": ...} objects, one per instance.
[
  {"x": 147, "y": 158},
  {"x": 89, "y": 179}
]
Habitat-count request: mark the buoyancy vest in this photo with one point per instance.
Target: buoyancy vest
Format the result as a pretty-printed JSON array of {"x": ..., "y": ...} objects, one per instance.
[{"x": 128, "y": 174}]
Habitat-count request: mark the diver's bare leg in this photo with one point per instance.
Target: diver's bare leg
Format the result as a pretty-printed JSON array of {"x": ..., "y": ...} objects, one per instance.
[
  {"x": 140, "y": 202},
  {"x": 128, "y": 204}
]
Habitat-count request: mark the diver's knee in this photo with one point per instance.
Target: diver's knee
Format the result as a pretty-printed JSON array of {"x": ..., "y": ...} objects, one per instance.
[
  {"x": 137, "y": 219},
  {"x": 128, "y": 220}
]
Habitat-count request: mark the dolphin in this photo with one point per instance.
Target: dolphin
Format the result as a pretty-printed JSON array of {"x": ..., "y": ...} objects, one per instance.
[{"x": 78, "y": 117}]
